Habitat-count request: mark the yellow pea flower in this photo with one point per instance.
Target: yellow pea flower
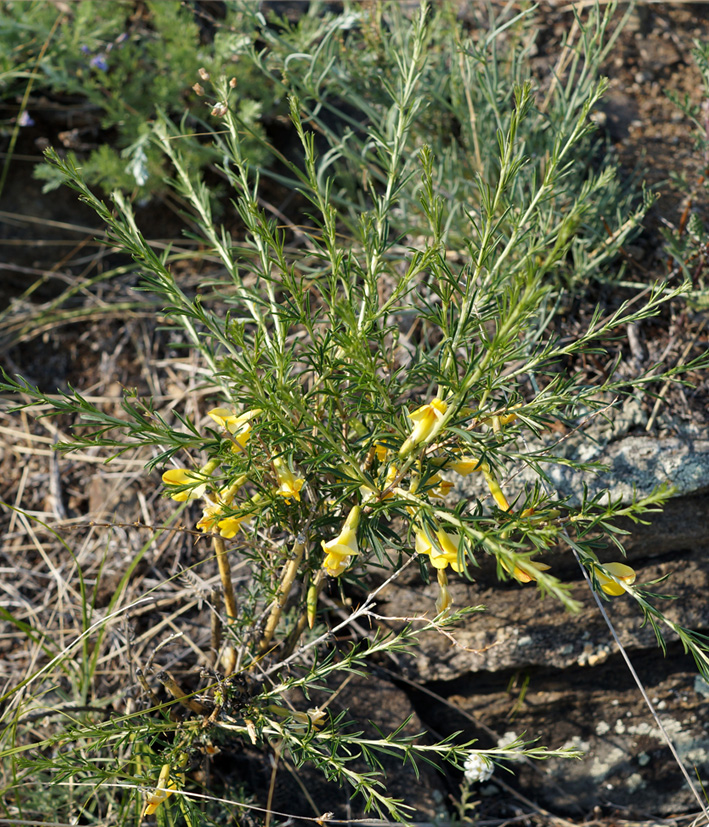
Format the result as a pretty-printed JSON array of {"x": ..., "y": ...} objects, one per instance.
[
  {"x": 428, "y": 420},
  {"x": 288, "y": 484},
  {"x": 527, "y": 571},
  {"x": 339, "y": 550},
  {"x": 213, "y": 511},
  {"x": 444, "y": 488},
  {"x": 164, "y": 789},
  {"x": 620, "y": 571},
  {"x": 440, "y": 488},
  {"x": 238, "y": 426},
  {"x": 229, "y": 526},
  {"x": 210, "y": 517},
  {"x": 380, "y": 451},
  {"x": 443, "y": 552},
  {"x": 464, "y": 466},
  {"x": 182, "y": 476},
  {"x": 499, "y": 420},
  {"x": 494, "y": 487}
]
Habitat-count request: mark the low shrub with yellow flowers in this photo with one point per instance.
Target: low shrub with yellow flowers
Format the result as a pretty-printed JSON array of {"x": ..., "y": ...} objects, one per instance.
[
  {"x": 410, "y": 475},
  {"x": 350, "y": 376}
]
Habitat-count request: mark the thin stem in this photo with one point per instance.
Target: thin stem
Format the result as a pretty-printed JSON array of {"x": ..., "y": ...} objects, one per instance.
[
  {"x": 290, "y": 570},
  {"x": 225, "y": 575},
  {"x": 179, "y": 694},
  {"x": 228, "y": 658}
]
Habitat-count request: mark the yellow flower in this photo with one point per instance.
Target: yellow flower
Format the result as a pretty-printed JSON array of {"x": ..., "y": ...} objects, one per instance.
[
  {"x": 444, "y": 488},
  {"x": 428, "y": 420},
  {"x": 443, "y": 552},
  {"x": 494, "y": 487},
  {"x": 339, "y": 550},
  {"x": 464, "y": 466},
  {"x": 238, "y": 427},
  {"x": 381, "y": 451},
  {"x": 527, "y": 571},
  {"x": 496, "y": 421},
  {"x": 620, "y": 571},
  {"x": 210, "y": 517},
  {"x": 288, "y": 484},
  {"x": 389, "y": 480},
  {"x": 229, "y": 526},
  {"x": 370, "y": 492},
  {"x": 164, "y": 789},
  {"x": 181, "y": 476},
  {"x": 439, "y": 487}
]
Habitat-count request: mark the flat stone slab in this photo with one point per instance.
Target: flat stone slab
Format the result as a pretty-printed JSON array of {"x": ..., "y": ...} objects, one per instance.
[{"x": 632, "y": 466}]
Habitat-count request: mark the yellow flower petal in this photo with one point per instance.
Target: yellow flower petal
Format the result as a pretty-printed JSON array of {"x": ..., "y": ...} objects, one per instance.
[
  {"x": 423, "y": 544},
  {"x": 443, "y": 552},
  {"x": 335, "y": 565},
  {"x": 527, "y": 571},
  {"x": 444, "y": 488},
  {"x": 341, "y": 548},
  {"x": 181, "y": 476},
  {"x": 238, "y": 426},
  {"x": 624, "y": 573},
  {"x": 464, "y": 466},
  {"x": 498, "y": 420},
  {"x": 427, "y": 419},
  {"x": 210, "y": 517},
  {"x": 229, "y": 526},
  {"x": 439, "y": 487},
  {"x": 289, "y": 485},
  {"x": 343, "y": 545},
  {"x": 164, "y": 789}
]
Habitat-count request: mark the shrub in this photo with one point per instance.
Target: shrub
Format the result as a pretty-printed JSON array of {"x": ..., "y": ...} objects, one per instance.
[{"x": 349, "y": 381}]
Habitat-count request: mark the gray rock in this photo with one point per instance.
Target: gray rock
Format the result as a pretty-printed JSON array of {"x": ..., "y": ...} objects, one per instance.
[{"x": 627, "y": 465}]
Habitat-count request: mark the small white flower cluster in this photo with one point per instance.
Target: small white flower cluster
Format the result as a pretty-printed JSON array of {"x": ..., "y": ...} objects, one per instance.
[
  {"x": 511, "y": 741},
  {"x": 477, "y": 768}
]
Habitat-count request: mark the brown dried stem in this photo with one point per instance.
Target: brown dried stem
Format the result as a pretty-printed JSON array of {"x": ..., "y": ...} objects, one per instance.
[
  {"x": 229, "y": 656},
  {"x": 179, "y": 694}
]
